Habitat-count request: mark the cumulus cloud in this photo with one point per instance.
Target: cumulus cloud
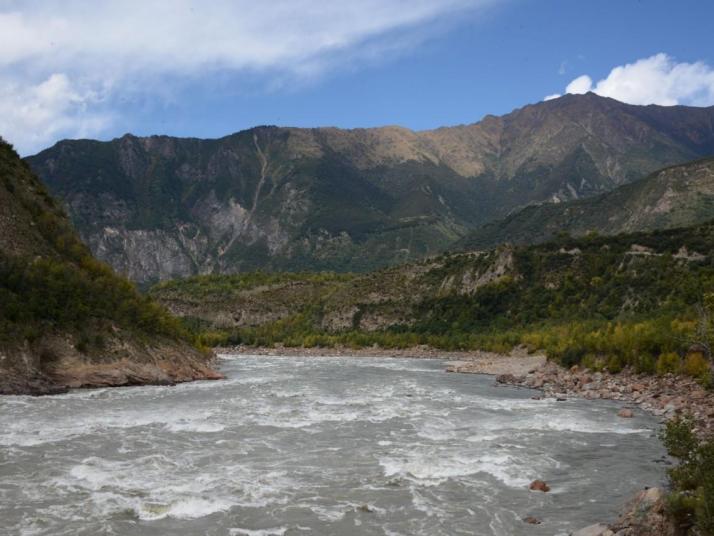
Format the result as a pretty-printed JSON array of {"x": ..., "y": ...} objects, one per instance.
[
  {"x": 61, "y": 59},
  {"x": 32, "y": 114},
  {"x": 658, "y": 79}
]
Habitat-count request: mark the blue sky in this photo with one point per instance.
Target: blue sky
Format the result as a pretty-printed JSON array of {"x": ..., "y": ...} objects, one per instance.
[{"x": 100, "y": 69}]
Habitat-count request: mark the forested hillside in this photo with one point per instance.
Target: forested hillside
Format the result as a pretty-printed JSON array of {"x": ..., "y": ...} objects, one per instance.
[
  {"x": 609, "y": 301},
  {"x": 67, "y": 319}
]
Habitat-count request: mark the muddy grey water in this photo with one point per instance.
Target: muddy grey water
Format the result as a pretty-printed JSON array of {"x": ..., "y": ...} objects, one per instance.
[{"x": 317, "y": 446}]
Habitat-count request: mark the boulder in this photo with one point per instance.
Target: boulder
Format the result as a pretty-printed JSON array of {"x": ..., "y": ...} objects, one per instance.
[
  {"x": 506, "y": 378},
  {"x": 625, "y": 413},
  {"x": 539, "y": 485},
  {"x": 531, "y": 520},
  {"x": 593, "y": 530}
]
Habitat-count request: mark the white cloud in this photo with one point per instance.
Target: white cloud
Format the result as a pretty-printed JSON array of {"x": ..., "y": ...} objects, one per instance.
[
  {"x": 60, "y": 58},
  {"x": 658, "y": 79},
  {"x": 32, "y": 114},
  {"x": 582, "y": 84}
]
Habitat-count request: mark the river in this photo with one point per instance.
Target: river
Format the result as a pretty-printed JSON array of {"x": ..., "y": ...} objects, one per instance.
[{"x": 324, "y": 446}]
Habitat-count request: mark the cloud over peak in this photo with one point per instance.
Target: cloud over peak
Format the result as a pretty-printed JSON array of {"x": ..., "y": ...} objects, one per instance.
[{"x": 658, "y": 79}]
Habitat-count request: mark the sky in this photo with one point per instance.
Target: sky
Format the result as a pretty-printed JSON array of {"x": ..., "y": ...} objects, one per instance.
[{"x": 99, "y": 69}]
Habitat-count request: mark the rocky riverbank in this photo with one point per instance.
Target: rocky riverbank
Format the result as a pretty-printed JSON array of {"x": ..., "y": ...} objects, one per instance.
[
  {"x": 57, "y": 366},
  {"x": 644, "y": 515},
  {"x": 664, "y": 396}
]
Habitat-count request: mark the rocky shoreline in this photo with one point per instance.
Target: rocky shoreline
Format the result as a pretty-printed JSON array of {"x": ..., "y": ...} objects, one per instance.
[
  {"x": 663, "y": 396},
  {"x": 125, "y": 362},
  {"x": 93, "y": 376}
]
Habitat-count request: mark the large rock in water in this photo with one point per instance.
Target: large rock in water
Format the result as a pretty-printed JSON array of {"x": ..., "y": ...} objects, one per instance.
[{"x": 539, "y": 485}]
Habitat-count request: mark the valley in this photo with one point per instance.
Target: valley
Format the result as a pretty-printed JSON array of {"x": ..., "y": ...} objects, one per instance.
[{"x": 521, "y": 247}]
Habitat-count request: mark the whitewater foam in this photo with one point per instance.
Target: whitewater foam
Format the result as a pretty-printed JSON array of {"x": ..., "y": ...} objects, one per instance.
[{"x": 326, "y": 446}]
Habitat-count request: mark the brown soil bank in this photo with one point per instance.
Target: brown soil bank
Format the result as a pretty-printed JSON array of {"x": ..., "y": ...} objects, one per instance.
[{"x": 55, "y": 365}]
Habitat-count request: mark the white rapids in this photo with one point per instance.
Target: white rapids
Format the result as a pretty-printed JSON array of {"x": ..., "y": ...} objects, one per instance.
[{"x": 327, "y": 446}]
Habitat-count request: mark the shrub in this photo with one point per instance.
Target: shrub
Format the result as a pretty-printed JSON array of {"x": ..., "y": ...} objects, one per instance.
[
  {"x": 696, "y": 365},
  {"x": 668, "y": 362},
  {"x": 692, "y": 499}
]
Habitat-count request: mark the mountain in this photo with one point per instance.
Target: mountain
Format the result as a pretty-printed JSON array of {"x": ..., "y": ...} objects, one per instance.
[
  {"x": 677, "y": 196},
  {"x": 67, "y": 320},
  {"x": 350, "y": 200},
  {"x": 624, "y": 299}
]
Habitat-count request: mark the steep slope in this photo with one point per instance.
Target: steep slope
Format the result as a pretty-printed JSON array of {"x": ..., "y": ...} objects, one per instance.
[
  {"x": 67, "y": 320},
  {"x": 295, "y": 199},
  {"x": 677, "y": 196}
]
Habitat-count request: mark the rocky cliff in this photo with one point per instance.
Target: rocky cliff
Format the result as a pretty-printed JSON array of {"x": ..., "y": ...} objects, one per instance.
[{"x": 350, "y": 200}]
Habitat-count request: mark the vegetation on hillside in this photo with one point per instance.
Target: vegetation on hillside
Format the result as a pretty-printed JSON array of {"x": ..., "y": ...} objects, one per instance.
[
  {"x": 691, "y": 501},
  {"x": 62, "y": 287},
  {"x": 676, "y": 196},
  {"x": 225, "y": 286},
  {"x": 605, "y": 302}
]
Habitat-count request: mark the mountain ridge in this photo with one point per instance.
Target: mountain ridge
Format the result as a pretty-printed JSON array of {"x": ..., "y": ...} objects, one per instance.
[
  {"x": 676, "y": 196},
  {"x": 285, "y": 198}
]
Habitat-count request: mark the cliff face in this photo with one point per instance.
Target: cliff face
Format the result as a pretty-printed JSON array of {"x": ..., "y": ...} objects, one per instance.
[
  {"x": 67, "y": 320},
  {"x": 677, "y": 196},
  {"x": 296, "y": 199}
]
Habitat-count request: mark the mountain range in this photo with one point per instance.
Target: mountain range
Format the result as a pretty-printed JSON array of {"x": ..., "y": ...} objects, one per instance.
[{"x": 291, "y": 199}]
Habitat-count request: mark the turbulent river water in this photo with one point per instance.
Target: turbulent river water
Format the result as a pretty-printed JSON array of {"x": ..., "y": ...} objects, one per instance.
[{"x": 334, "y": 446}]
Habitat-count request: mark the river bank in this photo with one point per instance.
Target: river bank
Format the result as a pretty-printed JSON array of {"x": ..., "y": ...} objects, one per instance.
[{"x": 59, "y": 367}]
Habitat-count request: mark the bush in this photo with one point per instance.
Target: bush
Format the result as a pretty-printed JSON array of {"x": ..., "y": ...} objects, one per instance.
[
  {"x": 667, "y": 363},
  {"x": 696, "y": 366},
  {"x": 692, "y": 499}
]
